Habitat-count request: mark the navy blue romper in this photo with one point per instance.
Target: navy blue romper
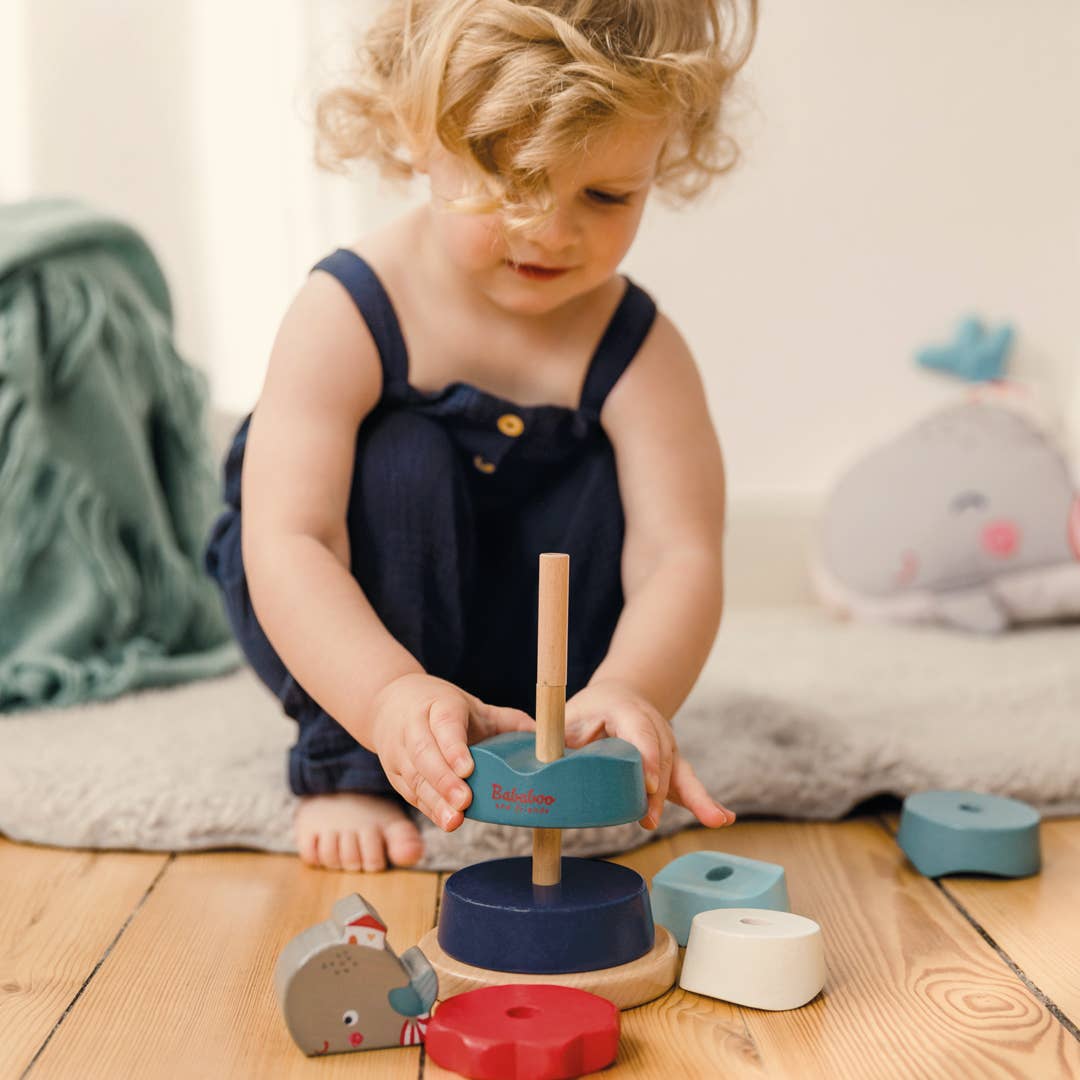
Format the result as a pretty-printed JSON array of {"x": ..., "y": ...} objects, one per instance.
[{"x": 454, "y": 496}]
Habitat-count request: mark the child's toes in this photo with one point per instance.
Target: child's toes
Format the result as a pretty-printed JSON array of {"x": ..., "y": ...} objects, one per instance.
[
  {"x": 307, "y": 846},
  {"x": 373, "y": 848},
  {"x": 349, "y": 849},
  {"x": 403, "y": 843},
  {"x": 328, "y": 850}
]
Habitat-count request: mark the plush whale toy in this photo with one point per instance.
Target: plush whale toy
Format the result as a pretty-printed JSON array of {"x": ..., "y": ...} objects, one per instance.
[{"x": 970, "y": 520}]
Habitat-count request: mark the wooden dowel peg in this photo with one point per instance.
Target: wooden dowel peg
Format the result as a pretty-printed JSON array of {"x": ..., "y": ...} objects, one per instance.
[
  {"x": 553, "y": 604},
  {"x": 551, "y": 634}
]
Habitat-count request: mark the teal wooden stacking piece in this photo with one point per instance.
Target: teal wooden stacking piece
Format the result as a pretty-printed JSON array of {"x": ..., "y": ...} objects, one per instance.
[
  {"x": 598, "y": 784},
  {"x": 706, "y": 880},
  {"x": 958, "y": 832}
]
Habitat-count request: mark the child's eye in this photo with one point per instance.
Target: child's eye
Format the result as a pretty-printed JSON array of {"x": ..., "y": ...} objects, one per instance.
[{"x": 607, "y": 198}]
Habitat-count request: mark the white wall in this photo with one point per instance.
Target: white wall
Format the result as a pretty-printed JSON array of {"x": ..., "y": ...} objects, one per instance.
[
  {"x": 905, "y": 163},
  {"x": 14, "y": 101},
  {"x": 105, "y": 115},
  {"x": 908, "y": 162}
]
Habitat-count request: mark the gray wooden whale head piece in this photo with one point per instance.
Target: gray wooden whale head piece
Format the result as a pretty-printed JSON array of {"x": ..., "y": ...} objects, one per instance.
[{"x": 342, "y": 988}]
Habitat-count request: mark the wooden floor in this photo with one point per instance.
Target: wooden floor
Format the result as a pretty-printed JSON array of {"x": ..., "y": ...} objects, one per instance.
[{"x": 144, "y": 965}]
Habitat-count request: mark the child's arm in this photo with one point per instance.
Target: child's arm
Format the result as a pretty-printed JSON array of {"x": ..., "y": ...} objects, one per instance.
[
  {"x": 323, "y": 378},
  {"x": 671, "y": 479}
]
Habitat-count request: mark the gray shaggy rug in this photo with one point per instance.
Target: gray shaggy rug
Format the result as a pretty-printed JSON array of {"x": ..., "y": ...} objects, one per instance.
[{"x": 795, "y": 715}]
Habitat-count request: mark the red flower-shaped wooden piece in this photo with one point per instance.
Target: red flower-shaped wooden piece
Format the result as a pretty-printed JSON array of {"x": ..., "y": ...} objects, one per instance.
[{"x": 524, "y": 1032}]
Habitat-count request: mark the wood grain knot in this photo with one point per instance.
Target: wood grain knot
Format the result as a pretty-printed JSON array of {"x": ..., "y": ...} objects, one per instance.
[{"x": 1000, "y": 1006}]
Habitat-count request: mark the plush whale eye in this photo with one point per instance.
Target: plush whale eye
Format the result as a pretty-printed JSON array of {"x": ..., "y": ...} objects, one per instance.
[
  {"x": 968, "y": 500},
  {"x": 351, "y": 1017}
]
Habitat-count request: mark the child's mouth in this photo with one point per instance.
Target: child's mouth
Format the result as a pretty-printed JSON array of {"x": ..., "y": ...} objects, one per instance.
[{"x": 536, "y": 273}]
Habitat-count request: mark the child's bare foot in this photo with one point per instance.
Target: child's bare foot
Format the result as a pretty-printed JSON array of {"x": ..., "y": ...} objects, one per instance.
[{"x": 349, "y": 831}]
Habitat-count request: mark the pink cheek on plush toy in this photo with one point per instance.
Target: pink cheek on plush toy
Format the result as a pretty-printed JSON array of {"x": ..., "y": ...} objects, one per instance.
[
  {"x": 909, "y": 567},
  {"x": 356, "y": 1038},
  {"x": 1001, "y": 538}
]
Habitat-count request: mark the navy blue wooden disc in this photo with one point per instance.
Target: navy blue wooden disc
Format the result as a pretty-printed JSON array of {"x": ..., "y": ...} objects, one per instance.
[{"x": 599, "y": 916}]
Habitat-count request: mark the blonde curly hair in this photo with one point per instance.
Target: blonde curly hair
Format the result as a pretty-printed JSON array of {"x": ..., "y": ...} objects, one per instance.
[{"x": 514, "y": 86}]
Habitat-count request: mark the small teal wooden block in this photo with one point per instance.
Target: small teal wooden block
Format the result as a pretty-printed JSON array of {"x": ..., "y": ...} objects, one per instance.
[
  {"x": 706, "y": 880},
  {"x": 598, "y": 784},
  {"x": 957, "y": 832}
]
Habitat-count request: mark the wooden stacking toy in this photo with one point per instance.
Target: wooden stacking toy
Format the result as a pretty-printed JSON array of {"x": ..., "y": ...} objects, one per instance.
[
  {"x": 342, "y": 988},
  {"x": 954, "y": 832},
  {"x": 524, "y": 1033},
  {"x": 703, "y": 880},
  {"x": 761, "y": 959},
  {"x": 574, "y": 922}
]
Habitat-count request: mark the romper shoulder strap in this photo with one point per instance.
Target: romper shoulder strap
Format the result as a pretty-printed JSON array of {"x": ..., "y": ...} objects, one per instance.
[
  {"x": 376, "y": 309},
  {"x": 626, "y": 331}
]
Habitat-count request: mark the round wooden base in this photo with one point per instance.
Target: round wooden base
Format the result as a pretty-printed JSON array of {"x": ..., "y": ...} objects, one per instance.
[{"x": 624, "y": 986}]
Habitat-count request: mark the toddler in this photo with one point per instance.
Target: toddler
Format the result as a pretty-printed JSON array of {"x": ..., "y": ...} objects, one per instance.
[{"x": 474, "y": 384}]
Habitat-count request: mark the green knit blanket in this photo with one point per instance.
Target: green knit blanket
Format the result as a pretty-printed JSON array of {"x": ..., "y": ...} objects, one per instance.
[{"x": 107, "y": 487}]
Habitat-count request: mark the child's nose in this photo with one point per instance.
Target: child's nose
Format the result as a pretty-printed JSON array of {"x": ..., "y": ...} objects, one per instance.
[{"x": 558, "y": 232}]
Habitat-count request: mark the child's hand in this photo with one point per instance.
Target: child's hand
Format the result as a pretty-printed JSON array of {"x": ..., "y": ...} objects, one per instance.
[
  {"x": 421, "y": 729},
  {"x": 610, "y": 707}
]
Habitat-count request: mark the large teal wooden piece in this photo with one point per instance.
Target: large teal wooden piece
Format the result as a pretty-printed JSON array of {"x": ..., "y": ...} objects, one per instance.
[
  {"x": 601, "y": 783},
  {"x": 957, "y": 832},
  {"x": 706, "y": 880}
]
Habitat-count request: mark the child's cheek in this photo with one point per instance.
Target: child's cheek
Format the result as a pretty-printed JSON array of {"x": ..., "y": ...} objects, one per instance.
[
  {"x": 619, "y": 237},
  {"x": 474, "y": 241}
]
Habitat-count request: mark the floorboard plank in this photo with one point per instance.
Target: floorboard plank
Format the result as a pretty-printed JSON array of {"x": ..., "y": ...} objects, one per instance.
[
  {"x": 912, "y": 990},
  {"x": 1035, "y": 921},
  {"x": 188, "y": 991},
  {"x": 60, "y": 910}
]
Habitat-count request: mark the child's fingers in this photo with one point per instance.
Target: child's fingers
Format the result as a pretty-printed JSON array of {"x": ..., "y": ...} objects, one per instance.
[
  {"x": 650, "y": 733},
  {"x": 443, "y": 793},
  {"x": 687, "y": 790},
  {"x": 628, "y": 722},
  {"x": 448, "y": 720},
  {"x": 436, "y": 807},
  {"x": 491, "y": 720},
  {"x": 581, "y": 727},
  {"x": 414, "y": 789},
  {"x": 405, "y": 785},
  {"x": 428, "y": 811},
  {"x": 659, "y": 795}
]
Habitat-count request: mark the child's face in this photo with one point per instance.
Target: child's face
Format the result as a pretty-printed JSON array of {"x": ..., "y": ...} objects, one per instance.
[{"x": 599, "y": 200}]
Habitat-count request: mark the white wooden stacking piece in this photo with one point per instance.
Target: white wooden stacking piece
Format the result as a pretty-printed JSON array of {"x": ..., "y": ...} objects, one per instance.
[{"x": 754, "y": 957}]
